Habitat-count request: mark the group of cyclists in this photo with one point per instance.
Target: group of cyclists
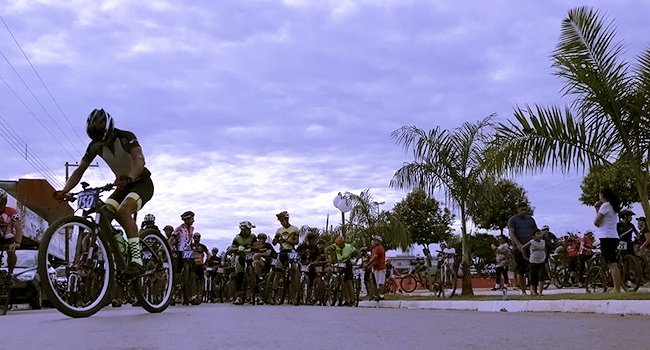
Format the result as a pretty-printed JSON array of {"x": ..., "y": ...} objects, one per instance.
[{"x": 252, "y": 269}]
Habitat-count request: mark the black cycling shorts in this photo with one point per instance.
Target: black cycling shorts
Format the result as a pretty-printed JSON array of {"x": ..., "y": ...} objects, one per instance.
[{"x": 141, "y": 191}]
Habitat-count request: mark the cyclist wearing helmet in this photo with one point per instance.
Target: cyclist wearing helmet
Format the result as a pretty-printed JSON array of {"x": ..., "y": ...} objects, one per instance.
[
  {"x": 264, "y": 254},
  {"x": 149, "y": 222},
  {"x": 11, "y": 230},
  {"x": 123, "y": 154},
  {"x": 168, "y": 230},
  {"x": 287, "y": 236},
  {"x": 239, "y": 247},
  {"x": 183, "y": 235},
  {"x": 346, "y": 253},
  {"x": 200, "y": 256}
]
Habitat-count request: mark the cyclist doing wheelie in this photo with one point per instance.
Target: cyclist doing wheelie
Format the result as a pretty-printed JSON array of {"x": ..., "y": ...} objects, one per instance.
[
  {"x": 239, "y": 247},
  {"x": 122, "y": 152}
]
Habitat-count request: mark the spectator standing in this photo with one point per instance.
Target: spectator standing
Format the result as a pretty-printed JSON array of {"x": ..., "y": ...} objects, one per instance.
[
  {"x": 607, "y": 209},
  {"x": 378, "y": 262},
  {"x": 537, "y": 247},
  {"x": 502, "y": 253},
  {"x": 521, "y": 228}
]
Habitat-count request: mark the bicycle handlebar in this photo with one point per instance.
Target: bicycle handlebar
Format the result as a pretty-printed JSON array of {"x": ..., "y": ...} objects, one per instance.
[{"x": 72, "y": 196}]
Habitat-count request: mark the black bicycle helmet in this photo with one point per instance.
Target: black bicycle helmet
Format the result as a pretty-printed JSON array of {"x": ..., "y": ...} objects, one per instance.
[
  {"x": 99, "y": 125},
  {"x": 186, "y": 215}
]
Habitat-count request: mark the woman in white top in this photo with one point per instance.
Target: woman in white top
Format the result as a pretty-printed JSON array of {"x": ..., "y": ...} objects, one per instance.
[{"x": 607, "y": 209}]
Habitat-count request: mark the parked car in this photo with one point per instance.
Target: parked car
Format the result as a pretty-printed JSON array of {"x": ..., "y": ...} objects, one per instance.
[{"x": 26, "y": 287}]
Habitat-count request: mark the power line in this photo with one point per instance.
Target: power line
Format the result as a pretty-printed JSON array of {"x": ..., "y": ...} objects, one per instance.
[
  {"x": 34, "y": 115},
  {"x": 36, "y": 98},
  {"x": 16, "y": 143},
  {"x": 41, "y": 80}
]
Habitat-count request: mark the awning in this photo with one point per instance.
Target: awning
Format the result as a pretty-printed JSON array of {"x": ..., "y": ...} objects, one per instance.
[{"x": 36, "y": 194}]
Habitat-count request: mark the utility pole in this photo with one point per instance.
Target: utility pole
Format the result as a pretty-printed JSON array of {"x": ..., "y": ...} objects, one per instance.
[{"x": 68, "y": 165}]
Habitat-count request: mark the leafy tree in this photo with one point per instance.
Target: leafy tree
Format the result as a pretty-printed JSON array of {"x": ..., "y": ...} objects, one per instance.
[
  {"x": 451, "y": 161},
  {"x": 608, "y": 121},
  {"x": 615, "y": 176},
  {"x": 496, "y": 203},
  {"x": 424, "y": 220},
  {"x": 482, "y": 251}
]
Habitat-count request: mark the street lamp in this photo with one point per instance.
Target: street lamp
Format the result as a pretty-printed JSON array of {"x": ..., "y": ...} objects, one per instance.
[
  {"x": 344, "y": 203},
  {"x": 378, "y": 204}
]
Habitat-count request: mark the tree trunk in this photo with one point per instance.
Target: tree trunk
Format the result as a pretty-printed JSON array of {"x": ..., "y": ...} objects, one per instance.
[
  {"x": 467, "y": 278},
  {"x": 642, "y": 189}
]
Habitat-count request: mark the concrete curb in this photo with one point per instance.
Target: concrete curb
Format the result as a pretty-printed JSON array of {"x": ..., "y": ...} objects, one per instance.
[{"x": 612, "y": 307}]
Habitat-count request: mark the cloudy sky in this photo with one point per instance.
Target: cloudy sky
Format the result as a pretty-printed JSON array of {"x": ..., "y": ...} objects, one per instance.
[{"x": 245, "y": 108}]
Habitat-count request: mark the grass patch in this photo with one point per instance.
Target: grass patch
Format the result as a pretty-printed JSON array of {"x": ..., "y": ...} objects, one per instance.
[{"x": 515, "y": 296}]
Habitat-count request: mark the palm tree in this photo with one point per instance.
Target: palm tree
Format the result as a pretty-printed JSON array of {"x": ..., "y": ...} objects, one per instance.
[
  {"x": 450, "y": 160},
  {"x": 607, "y": 122},
  {"x": 366, "y": 221}
]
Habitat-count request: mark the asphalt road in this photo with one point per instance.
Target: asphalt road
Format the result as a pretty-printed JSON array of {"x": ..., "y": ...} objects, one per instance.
[{"x": 217, "y": 326}]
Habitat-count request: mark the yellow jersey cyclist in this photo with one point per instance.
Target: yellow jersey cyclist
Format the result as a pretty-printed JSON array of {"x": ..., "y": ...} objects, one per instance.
[
  {"x": 240, "y": 246},
  {"x": 122, "y": 153},
  {"x": 286, "y": 236}
]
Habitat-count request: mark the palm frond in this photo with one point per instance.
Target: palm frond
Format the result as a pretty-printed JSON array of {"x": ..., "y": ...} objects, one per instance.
[
  {"x": 588, "y": 58},
  {"x": 548, "y": 137}
]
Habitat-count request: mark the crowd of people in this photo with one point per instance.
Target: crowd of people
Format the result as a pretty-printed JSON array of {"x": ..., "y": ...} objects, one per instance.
[{"x": 528, "y": 248}]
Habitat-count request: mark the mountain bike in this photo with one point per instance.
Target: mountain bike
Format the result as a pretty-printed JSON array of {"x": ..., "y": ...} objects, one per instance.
[
  {"x": 447, "y": 275},
  {"x": 599, "y": 279},
  {"x": 86, "y": 249}
]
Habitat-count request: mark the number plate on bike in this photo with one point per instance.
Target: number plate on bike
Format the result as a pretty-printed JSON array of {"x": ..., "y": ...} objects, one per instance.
[
  {"x": 293, "y": 255},
  {"x": 622, "y": 245},
  {"x": 319, "y": 269},
  {"x": 220, "y": 270},
  {"x": 86, "y": 199}
]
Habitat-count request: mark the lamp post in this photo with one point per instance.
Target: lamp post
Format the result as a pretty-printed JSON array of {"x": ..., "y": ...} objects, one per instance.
[
  {"x": 344, "y": 203},
  {"x": 378, "y": 204}
]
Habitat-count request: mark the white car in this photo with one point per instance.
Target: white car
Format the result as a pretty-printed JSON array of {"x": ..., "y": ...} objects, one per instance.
[{"x": 26, "y": 285}]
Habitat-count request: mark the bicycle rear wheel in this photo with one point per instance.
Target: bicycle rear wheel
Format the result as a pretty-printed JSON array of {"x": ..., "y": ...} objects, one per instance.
[
  {"x": 155, "y": 288},
  {"x": 450, "y": 283},
  {"x": 595, "y": 281},
  {"x": 630, "y": 273},
  {"x": 408, "y": 283},
  {"x": 77, "y": 284}
]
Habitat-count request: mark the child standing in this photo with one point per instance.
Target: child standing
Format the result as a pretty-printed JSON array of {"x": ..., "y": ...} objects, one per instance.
[
  {"x": 536, "y": 259},
  {"x": 502, "y": 252}
]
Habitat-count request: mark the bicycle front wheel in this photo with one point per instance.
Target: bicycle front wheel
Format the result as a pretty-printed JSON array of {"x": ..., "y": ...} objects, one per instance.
[
  {"x": 408, "y": 283},
  {"x": 154, "y": 289},
  {"x": 76, "y": 267}
]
